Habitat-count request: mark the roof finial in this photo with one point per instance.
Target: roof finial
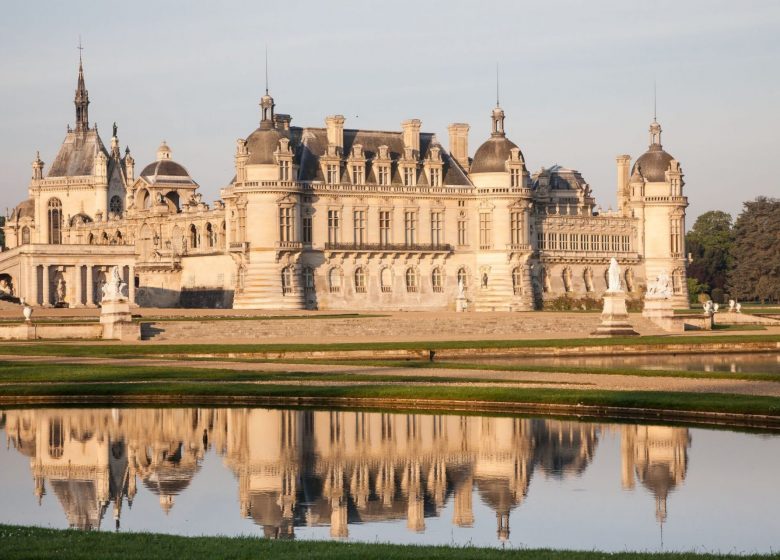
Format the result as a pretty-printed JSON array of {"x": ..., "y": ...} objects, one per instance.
[
  {"x": 497, "y": 103},
  {"x": 266, "y": 69},
  {"x": 80, "y": 48}
]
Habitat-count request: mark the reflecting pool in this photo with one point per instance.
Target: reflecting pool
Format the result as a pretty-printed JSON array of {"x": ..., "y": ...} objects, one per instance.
[{"x": 404, "y": 478}]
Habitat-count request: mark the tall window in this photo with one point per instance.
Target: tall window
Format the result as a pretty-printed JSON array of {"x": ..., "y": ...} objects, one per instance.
[
  {"x": 358, "y": 174},
  {"x": 284, "y": 170},
  {"x": 410, "y": 227},
  {"x": 435, "y": 177},
  {"x": 563, "y": 243},
  {"x": 334, "y": 224},
  {"x": 437, "y": 236},
  {"x": 676, "y": 238},
  {"x": 514, "y": 177},
  {"x": 552, "y": 241},
  {"x": 409, "y": 176},
  {"x": 517, "y": 281},
  {"x": 384, "y": 227},
  {"x": 287, "y": 280},
  {"x": 359, "y": 217},
  {"x": 516, "y": 225},
  {"x": 307, "y": 229},
  {"x": 595, "y": 245},
  {"x": 211, "y": 236},
  {"x": 55, "y": 221},
  {"x": 308, "y": 279},
  {"x": 115, "y": 205},
  {"x": 386, "y": 280},
  {"x": 194, "y": 237},
  {"x": 411, "y": 280},
  {"x": 384, "y": 174},
  {"x": 485, "y": 230},
  {"x": 463, "y": 237},
  {"x": 334, "y": 280},
  {"x": 436, "y": 280},
  {"x": 360, "y": 280},
  {"x": 286, "y": 223},
  {"x": 585, "y": 242},
  {"x": 332, "y": 174}
]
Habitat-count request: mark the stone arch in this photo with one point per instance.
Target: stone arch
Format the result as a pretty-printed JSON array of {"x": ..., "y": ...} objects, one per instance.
[
  {"x": 412, "y": 280},
  {"x": 194, "y": 237},
  {"x": 437, "y": 280},
  {"x": 386, "y": 279},
  {"x": 335, "y": 277},
  {"x": 463, "y": 276},
  {"x": 360, "y": 280},
  {"x": 211, "y": 235},
  {"x": 143, "y": 199}
]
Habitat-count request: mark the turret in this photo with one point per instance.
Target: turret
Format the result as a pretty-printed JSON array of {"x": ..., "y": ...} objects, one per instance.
[{"x": 37, "y": 167}]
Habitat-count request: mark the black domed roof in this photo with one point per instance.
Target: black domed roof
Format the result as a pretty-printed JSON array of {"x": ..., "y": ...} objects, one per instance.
[
  {"x": 492, "y": 155},
  {"x": 262, "y": 144},
  {"x": 165, "y": 167},
  {"x": 653, "y": 164}
]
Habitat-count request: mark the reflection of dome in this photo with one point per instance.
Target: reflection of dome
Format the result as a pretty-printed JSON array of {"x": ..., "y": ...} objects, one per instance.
[
  {"x": 262, "y": 144},
  {"x": 653, "y": 164},
  {"x": 492, "y": 155},
  {"x": 562, "y": 448},
  {"x": 79, "y": 499},
  {"x": 658, "y": 478},
  {"x": 498, "y": 494}
]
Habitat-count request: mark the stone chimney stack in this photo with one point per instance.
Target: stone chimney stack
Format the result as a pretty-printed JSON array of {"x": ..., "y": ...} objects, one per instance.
[
  {"x": 335, "y": 125},
  {"x": 623, "y": 166},
  {"x": 459, "y": 143},
  {"x": 411, "y": 128}
]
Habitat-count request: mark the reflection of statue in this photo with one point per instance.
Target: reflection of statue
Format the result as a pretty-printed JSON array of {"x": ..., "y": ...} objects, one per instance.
[
  {"x": 662, "y": 288},
  {"x": 614, "y": 284},
  {"x": 60, "y": 292},
  {"x": 114, "y": 289}
]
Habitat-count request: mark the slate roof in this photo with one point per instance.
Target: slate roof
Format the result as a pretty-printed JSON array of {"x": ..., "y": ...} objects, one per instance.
[
  {"x": 77, "y": 154},
  {"x": 653, "y": 164},
  {"x": 492, "y": 155}
]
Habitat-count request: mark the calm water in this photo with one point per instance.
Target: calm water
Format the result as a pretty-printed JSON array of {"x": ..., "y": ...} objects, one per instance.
[
  {"x": 406, "y": 478},
  {"x": 735, "y": 363}
]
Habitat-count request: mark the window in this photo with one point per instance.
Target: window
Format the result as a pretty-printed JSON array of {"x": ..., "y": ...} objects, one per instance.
[
  {"x": 676, "y": 237},
  {"x": 308, "y": 279},
  {"x": 334, "y": 280},
  {"x": 516, "y": 224},
  {"x": 573, "y": 239},
  {"x": 332, "y": 174},
  {"x": 594, "y": 242},
  {"x": 386, "y": 280},
  {"x": 514, "y": 177},
  {"x": 287, "y": 280},
  {"x": 563, "y": 242},
  {"x": 411, "y": 280},
  {"x": 334, "y": 225},
  {"x": 461, "y": 204},
  {"x": 485, "y": 227},
  {"x": 409, "y": 176},
  {"x": 307, "y": 229},
  {"x": 360, "y": 280},
  {"x": 625, "y": 243},
  {"x": 541, "y": 240},
  {"x": 384, "y": 174},
  {"x": 115, "y": 205},
  {"x": 357, "y": 174},
  {"x": 463, "y": 238},
  {"x": 194, "y": 237},
  {"x": 284, "y": 170},
  {"x": 435, "y": 177},
  {"x": 286, "y": 223},
  {"x": 56, "y": 438},
  {"x": 436, "y": 232},
  {"x": 55, "y": 221},
  {"x": 410, "y": 227},
  {"x": 552, "y": 241},
  {"x": 517, "y": 281},
  {"x": 359, "y": 224},
  {"x": 384, "y": 227},
  {"x": 26, "y": 235},
  {"x": 436, "y": 281},
  {"x": 585, "y": 242},
  {"x": 211, "y": 236}
]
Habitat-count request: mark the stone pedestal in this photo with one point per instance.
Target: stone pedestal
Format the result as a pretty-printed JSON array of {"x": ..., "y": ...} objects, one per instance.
[
  {"x": 661, "y": 312},
  {"x": 461, "y": 304},
  {"x": 614, "y": 317},
  {"x": 118, "y": 322}
]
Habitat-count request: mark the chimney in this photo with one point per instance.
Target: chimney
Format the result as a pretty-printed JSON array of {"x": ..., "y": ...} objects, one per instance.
[
  {"x": 623, "y": 164},
  {"x": 335, "y": 125},
  {"x": 411, "y": 129},
  {"x": 459, "y": 143}
]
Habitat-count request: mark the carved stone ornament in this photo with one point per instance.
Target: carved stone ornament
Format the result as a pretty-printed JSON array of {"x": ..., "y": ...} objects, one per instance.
[{"x": 115, "y": 288}]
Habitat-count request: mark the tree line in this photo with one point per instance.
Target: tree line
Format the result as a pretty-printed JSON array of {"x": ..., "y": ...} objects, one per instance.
[{"x": 736, "y": 259}]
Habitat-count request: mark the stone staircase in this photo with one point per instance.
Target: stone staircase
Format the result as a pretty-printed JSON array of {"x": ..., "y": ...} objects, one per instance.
[
  {"x": 497, "y": 296},
  {"x": 263, "y": 286}
]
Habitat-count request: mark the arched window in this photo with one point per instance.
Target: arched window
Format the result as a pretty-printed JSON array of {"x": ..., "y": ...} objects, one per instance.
[
  {"x": 308, "y": 279},
  {"x": 25, "y": 235},
  {"x": 115, "y": 205},
  {"x": 287, "y": 280},
  {"x": 194, "y": 237},
  {"x": 146, "y": 200},
  {"x": 678, "y": 279},
  {"x": 517, "y": 281},
  {"x": 90, "y": 239},
  {"x": 211, "y": 237},
  {"x": 104, "y": 238},
  {"x": 222, "y": 235},
  {"x": 463, "y": 278},
  {"x": 411, "y": 280},
  {"x": 360, "y": 280},
  {"x": 436, "y": 280},
  {"x": 334, "y": 280},
  {"x": 386, "y": 280},
  {"x": 55, "y": 221}
]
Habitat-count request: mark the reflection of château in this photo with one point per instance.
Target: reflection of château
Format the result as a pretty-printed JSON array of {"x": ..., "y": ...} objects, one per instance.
[{"x": 299, "y": 468}]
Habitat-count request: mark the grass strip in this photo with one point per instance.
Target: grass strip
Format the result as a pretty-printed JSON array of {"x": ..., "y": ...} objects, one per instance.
[
  {"x": 109, "y": 349},
  {"x": 473, "y": 395},
  {"x": 33, "y": 542}
]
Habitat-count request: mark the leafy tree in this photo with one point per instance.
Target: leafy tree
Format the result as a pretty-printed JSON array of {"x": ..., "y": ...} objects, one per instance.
[
  {"x": 756, "y": 251},
  {"x": 709, "y": 242},
  {"x": 695, "y": 289}
]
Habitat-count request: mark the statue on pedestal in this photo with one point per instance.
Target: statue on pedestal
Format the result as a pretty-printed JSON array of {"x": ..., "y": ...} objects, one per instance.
[
  {"x": 613, "y": 274},
  {"x": 114, "y": 289}
]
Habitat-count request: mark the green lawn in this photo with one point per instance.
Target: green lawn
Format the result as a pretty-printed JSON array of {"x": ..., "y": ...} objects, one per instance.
[{"x": 29, "y": 542}]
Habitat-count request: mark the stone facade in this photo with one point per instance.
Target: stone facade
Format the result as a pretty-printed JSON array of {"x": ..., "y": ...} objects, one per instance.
[{"x": 337, "y": 218}]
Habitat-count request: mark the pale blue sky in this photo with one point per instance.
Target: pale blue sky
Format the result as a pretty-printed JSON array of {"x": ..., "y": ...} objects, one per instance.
[{"x": 576, "y": 80}]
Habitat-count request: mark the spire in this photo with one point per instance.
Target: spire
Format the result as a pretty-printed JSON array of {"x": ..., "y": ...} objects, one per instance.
[
  {"x": 655, "y": 128},
  {"x": 266, "y": 69},
  {"x": 497, "y": 103},
  {"x": 266, "y": 102},
  {"x": 82, "y": 98}
]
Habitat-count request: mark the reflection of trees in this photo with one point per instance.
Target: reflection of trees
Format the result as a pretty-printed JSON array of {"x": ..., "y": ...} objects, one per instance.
[{"x": 304, "y": 467}]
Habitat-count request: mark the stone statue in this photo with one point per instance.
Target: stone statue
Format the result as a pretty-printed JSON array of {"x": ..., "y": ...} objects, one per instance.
[
  {"x": 114, "y": 289},
  {"x": 715, "y": 307},
  {"x": 115, "y": 130},
  {"x": 708, "y": 308},
  {"x": 60, "y": 292},
  {"x": 662, "y": 288},
  {"x": 614, "y": 284},
  {"x": 461, "y": 289}
]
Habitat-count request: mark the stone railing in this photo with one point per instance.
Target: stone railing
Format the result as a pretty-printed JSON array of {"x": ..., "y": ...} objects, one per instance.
[
  {"x": 238, "y": 246},
  {"x": 387, "y": 247}
]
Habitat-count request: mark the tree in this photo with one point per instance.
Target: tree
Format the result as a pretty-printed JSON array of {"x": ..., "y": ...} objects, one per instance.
[
  {"x": 756, "y": 251},
  {"x": 709, "y": 242}
]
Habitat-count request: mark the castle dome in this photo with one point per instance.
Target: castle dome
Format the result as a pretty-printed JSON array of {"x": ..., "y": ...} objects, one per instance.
[
  {"x": 654, "y": 163},
  {"x": 492, "y": 155},
  {"x": 165, "y": 170},
  {"x": 262, "y": 144}
]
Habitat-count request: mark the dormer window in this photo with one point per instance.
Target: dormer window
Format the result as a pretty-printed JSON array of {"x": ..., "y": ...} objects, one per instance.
[
  {"x": 409, "y": 176},
  {"x": 384, "y": 174},
  {"x": 358, "y": 175},
  {"x": 332, "y": 174},
  {"x": 284, "y": 170},
  {"x": 435, "y": 177},
  {"x": 514, "y": 177}
]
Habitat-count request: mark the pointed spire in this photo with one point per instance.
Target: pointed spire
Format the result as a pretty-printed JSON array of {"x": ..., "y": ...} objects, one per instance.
[
  {"x": 266, "y": 69},
  {"x": 82, "y": 98},
  {"x": 497, "y": 103}
]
